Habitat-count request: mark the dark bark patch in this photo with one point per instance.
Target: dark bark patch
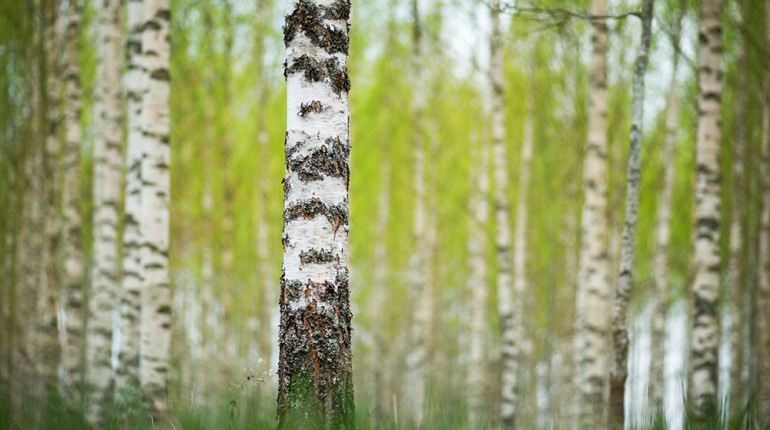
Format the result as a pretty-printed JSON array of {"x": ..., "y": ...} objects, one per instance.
[
  {"x": 308, "y": 209},
  {"x": 306, "y": 108},
  {"x": 316, "y": 256},
  {"x": 339, "y": 10},
  {"x": 330, "y": 160},
  {"x": 315, "y": 71},
  {"x": 308, "y": 18}
]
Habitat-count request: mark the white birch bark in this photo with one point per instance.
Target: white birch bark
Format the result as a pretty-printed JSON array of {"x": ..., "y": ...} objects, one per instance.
[
  {"x": 73, "y": 354},
  {"x": 509, "y": 345},
  {"x": 419, "y": 288},
  {"x": 478, "y": 283},
  {"x": 735, "y": 279},
  {"x": 108, "y": 169},
  {"x": 663, "y": 227},
  {"x": 763, "y": 289},
  {"x": 315, "y": 374},
  {"x": 704, "y": 341},
  {"x": 620, "y": 342},
  {"x": 593, "y": 289},
  {"x": 155, "y": 313},
  {"x": 127, "y": 374}
]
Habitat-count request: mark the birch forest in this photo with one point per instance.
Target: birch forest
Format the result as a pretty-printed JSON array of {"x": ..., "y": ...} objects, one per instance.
[{"x": 385, "y": 214}]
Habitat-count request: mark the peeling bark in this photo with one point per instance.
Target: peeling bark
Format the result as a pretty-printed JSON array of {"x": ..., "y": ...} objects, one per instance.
[
  {"x": 315, "y": 378},
  {"x": 704, "y": 342},
  {"x": 619, "y": 370}
]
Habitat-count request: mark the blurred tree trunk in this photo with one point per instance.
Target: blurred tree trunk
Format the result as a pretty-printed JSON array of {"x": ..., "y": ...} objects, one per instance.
[
  {"x": 593, "y": 289},
  {"x": 380, "y": 294},
  {"x": 478, "y": 283},
  {"x": 510, "y": 344},
  {"x": 417, "y": 358},
  {"x": 74, "y": 304},
  {"x": 315, "y": 373},
  {"x": 763, "y": 289},
  {"x": 663, "y": 227},
  {"x": 704, "y": 342},
  {"x": 736, "y": 277},
  {"x": 619, "y": 370},
  {"x": 127, "y": 375},
  {"x": 49, "y": 348},
  {"x": 155, "y": 315},
  {"x": 108, "y": 169}
]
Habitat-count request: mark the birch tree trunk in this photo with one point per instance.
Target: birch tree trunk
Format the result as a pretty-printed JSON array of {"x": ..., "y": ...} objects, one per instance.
[
  {"x": 763, "y": 289},
  {"x": 593, "y": 289},
  {"x": 704, "y": 341},
  {"x": 47, "y": 334},
  {"x": 155, "y": 313},
  {"x": 736, "y": 278},
  {"x": 477, "y": 371},
  {"x": 108, "y": 169},
  {"x": 315, "y": 373},
  {"x": 418, "y": 354},
  {"x": 380, "y": 293},
  {"x": 73, "y": 358},
  {"x": 619, "y": 370},
  {"x": 663, "y": 227},
  {"x": 127, "y": 375},
  {"x": 509, "y": 346}
]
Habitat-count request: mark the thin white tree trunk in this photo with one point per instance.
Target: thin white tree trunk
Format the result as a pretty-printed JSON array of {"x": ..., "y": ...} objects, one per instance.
[
  {"x": 736, "y": 278},
  {"x": 704, "y": 342},
  {"x": 478, "y": 283},
  {"x": 509, "y": 345},
  {"x": 315, "y": 373},
  {"x": 108, "y": 169},
  {"x": 663, "y": 228},
  {"x": 380, "y": 295},
  {"x": 418, "y": 354},
  {"x": 155, "y": 314},
  {"x": 763, "y": 289},
  {"x": 593, "y": 289},
  {"x": 619, "y": 370},
  {"x": 73, "y": 355},
  {"x": 127, "y": 375}
]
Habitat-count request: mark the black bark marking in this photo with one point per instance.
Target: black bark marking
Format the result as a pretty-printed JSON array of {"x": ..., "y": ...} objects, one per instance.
[
  {"x": 308, "y": 18},
  {"x": 306, "y": 108},
  {"x": 330, "y": 160},
  {"x": 315, "y": 71},
  {"x": 307, "y": 209},
  {"x": 316, "y": 256}
]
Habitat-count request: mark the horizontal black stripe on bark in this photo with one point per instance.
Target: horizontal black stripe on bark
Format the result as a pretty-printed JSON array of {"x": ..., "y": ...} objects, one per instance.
[
  {"x": 307, "y": 209},
  {"x": 316, "y": 256},
  {"x": 316, "y": 71},
  {"x": 330, "y": 159}
]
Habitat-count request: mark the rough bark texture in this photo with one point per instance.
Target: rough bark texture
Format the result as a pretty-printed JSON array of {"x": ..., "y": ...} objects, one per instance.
[
  {"x": 127, "y": 374},
  {"x": 478, "y": 283},
  {"x": 155, "y": 314},
  {"x": 419, "y": 288},
  {"x": 108, "y": 169},
  {"x": 509, "y": 344},
  {"x": 593, "y": 289},
  {"x": 73, "y": 355},
  {"x": 663, "y": 228},
  {"x": 704, "y": 342},
  {"x": 619, "y": 370},
  {"x": 315, "y": 374},
  {"x": 763, "y": 289}
]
